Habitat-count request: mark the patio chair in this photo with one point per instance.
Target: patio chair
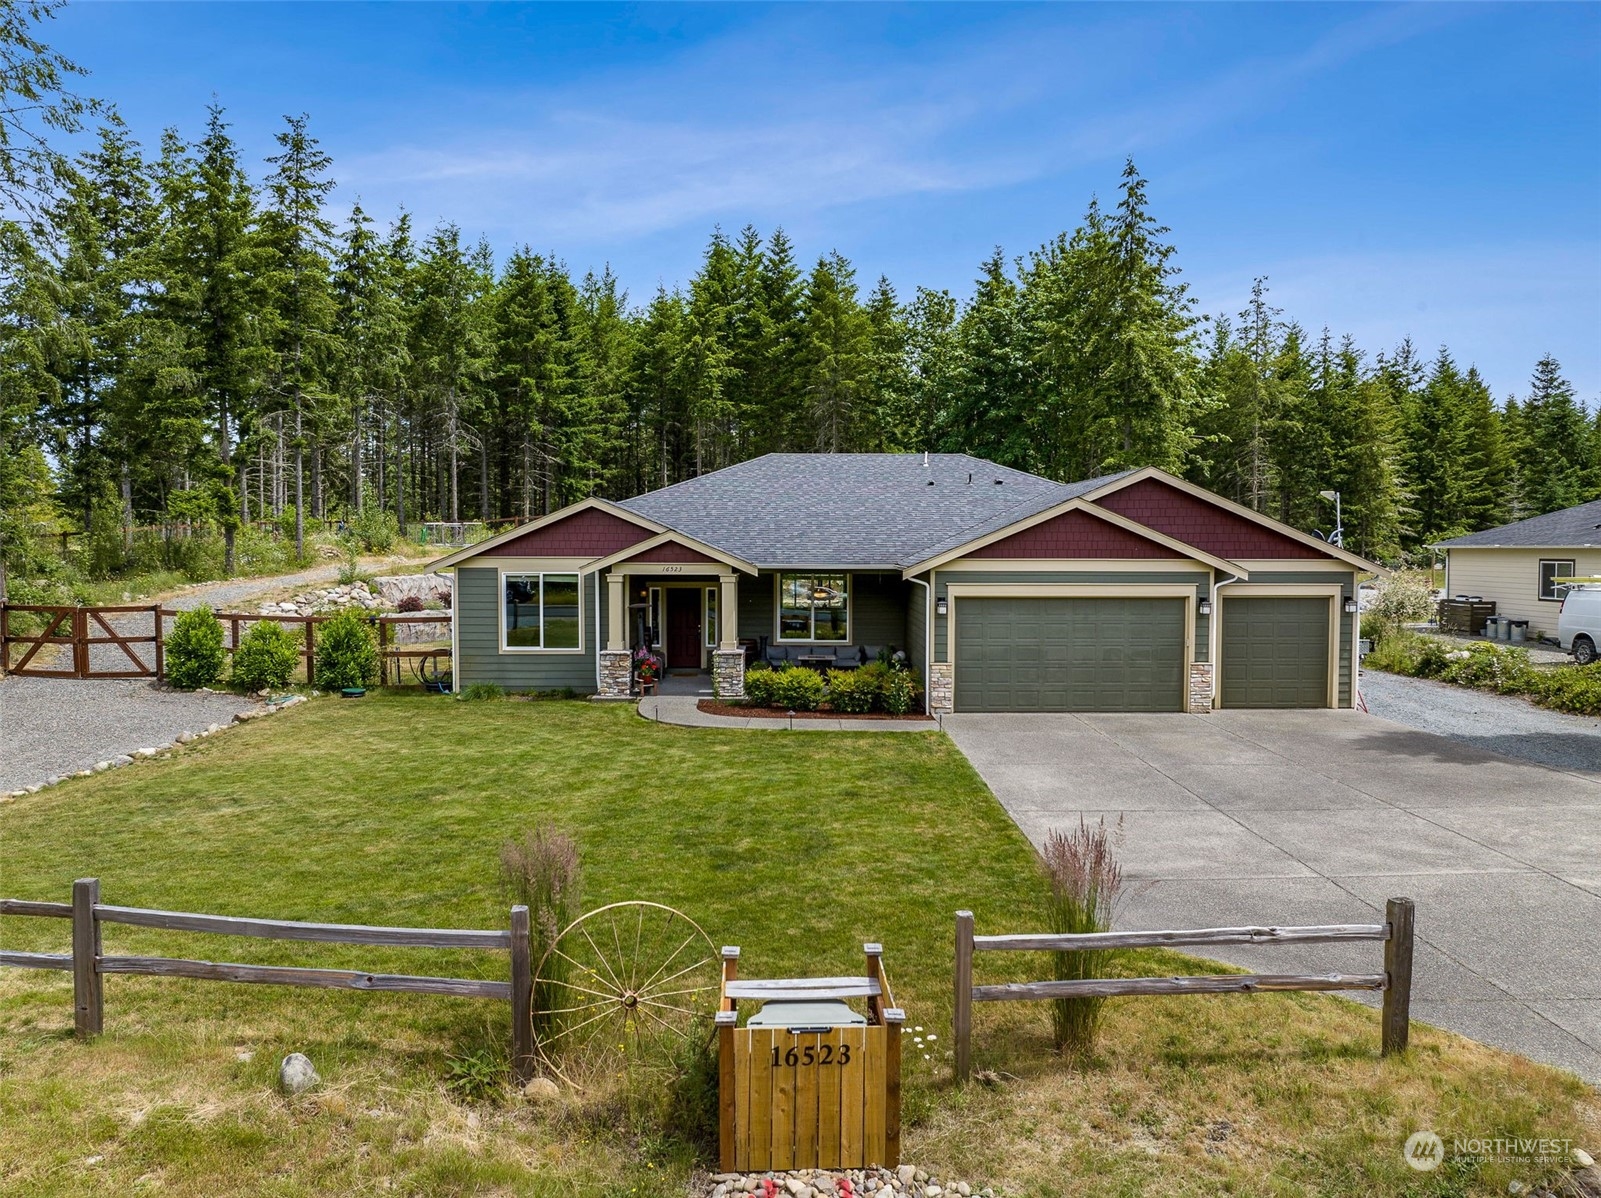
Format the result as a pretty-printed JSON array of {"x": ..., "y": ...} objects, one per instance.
[
  {"x": 776, "y": 656},
  {"x": 871, "y": 652},
  {"x": 847, "y": 657}
]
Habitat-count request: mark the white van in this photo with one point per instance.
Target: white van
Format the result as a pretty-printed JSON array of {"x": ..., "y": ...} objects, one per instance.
[{"x": 1579, "y": 624}]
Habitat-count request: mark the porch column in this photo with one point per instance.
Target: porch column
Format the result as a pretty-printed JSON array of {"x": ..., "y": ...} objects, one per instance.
[
  {"x": 616, "y": 610},
  {"x": 728, "y": 659},
  {"x": 616, "y": 675},
  {"x": 728, "y": 611}
]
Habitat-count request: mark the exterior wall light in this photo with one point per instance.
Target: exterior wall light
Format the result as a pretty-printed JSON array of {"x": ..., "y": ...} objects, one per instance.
[
  {"x": 941, "y": 607},
  {"x": 1204, "y": 607},
  {"x": 1350, "y": 607}
]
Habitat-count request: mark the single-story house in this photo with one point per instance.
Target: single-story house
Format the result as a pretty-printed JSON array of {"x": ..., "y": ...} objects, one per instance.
[
  {"x": 1005, "y": 591},
  {"x": 1520, "y": 566}
]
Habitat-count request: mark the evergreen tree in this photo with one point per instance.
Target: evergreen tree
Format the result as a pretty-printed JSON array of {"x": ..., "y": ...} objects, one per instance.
[
  {"x": 836, "y": 359},
  {"x": 1557, "y": 466}
]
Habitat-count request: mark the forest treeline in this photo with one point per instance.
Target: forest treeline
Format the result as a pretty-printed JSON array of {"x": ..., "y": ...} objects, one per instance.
[{"x": 189, "y": 338}]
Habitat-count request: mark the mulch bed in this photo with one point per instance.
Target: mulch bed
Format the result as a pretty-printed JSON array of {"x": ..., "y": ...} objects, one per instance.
[{"x": 715, "y": 707}]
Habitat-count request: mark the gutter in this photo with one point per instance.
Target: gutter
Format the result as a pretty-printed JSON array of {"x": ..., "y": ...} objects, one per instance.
[{"x": 1214, "y": 629}]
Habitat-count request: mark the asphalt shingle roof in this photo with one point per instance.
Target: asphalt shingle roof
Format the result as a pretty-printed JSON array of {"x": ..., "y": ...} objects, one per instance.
[
  {"x": 851, "y": 509},
  {"x": 1571, "y": 528}
]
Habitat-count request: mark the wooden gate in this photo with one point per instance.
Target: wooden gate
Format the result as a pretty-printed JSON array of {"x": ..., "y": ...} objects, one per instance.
[{"x": 79, "y": 630}]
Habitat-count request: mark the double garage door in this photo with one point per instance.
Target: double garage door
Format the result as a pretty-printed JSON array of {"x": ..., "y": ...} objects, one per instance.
[
  {"x": 1128, "y": 654},
  {"x": 1070, "y": 654}
]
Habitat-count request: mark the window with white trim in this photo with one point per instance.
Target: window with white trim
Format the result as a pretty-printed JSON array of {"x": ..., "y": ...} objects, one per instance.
[
  {"x": 541, "y": 611},
  {"x": 1552, "y": 569},
  {"x": 813, "y": 607}
]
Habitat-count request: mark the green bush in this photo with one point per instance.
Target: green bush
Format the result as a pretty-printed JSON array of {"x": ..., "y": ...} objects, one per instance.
[
  {"x": 901, "y": 692},
  {"x": 266, "y": 658},
  {"x": 194, "y": 652},
  {"x": 375, "y": 528},
  {"x": 1575, "y": 689},
  {"x": 760, "y": 682},
  {"x": 1374, "y": 628},
  {"x": 1490, "y": 668},
  {"x": 852, "y": 692},
  {"x": 797, "y": 689},
  {"x": 347, "y": 652},
  {"x": 480, "y": 692}
]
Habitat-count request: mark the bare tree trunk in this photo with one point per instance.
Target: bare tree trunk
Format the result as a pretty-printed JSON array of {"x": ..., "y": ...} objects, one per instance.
[
  {"x": 127, "y": 509},
  {"x": 300, "y": 486},
  {"x": 317, "y": 508},
  {"x": 355, "y": 462}
]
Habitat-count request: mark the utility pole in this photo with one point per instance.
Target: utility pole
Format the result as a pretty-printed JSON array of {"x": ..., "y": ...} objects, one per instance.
[{"x": 1337, "y": 537}]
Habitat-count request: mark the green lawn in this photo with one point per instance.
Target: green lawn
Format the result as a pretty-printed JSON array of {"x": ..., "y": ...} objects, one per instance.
[{"x": 798, "y": 847}]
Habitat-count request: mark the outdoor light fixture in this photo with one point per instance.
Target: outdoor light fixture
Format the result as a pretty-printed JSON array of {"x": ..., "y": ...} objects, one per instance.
[
  {"x": 1204, "y": 607},
  {"x": 1350, "y": 607},
  {"x": 941, "y": 607}
]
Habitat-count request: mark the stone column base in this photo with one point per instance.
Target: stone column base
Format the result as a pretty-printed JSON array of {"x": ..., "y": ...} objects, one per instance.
[
  {"x": 1201, "y": 673},
  {"x": 728, "y": 673},
  {"x": 941, "y": 687},
  {"x": 616, "y": 674}
]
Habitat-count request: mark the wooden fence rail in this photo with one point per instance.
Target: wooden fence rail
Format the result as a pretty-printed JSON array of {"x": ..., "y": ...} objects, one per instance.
[
  {"x": 81, "y": 629},
  {"x": 1395, "y": 982},
  {"x": 88, "y": 963}
]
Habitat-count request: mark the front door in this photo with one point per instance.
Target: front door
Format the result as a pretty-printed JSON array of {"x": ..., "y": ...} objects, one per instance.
[{"x": 683, "y": 628}]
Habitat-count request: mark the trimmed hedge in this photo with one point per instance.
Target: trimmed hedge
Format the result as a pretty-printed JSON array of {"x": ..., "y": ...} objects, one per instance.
[
  {"x": 874, "y": 687},
  {"x": 194, "y": 652},
  {"x": 266, "y": 658}
]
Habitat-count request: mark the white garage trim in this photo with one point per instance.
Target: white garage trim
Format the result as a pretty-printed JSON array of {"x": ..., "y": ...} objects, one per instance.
[
  {"x": 956, "y": 591},
  {"x": 1333, "y": 592}
]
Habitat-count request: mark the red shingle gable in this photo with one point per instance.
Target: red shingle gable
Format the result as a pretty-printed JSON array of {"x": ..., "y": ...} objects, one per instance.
[
  {"x": 587, "y": 534},
  {"x": 1185, "y": 518},
  {"x": 1075, "y": 534},
  {"x": 670, "y": 551}
]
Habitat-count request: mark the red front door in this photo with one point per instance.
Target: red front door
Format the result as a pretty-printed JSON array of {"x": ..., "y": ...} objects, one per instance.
[{"x": 683, "y": 628}]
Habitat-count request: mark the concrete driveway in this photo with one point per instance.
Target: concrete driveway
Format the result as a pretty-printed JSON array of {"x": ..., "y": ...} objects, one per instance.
[{"x": 1319, "y": 817}]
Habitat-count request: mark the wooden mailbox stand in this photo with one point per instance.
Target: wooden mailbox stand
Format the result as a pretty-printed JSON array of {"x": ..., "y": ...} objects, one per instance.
[{"x": 809, "y": 1099}]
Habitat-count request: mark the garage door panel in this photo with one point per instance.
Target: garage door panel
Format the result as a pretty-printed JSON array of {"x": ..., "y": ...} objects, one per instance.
[
  {"x": 1275, "y": 652},
  {"x": 1102, "y": 654}
]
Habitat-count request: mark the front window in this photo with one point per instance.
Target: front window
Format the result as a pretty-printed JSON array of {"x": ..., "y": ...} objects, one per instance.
[
  {"x": 542, "y": 611},
  {"x": 812, "y": 607},
  {"x": 1550, "y": 571}
]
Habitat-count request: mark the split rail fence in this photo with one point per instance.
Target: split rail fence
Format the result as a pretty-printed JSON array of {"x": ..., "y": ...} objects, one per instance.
[
  {"x": 1395, "y": 982},
  {"x": 81, "y": 630},
  {"x": 89, "y": 965}
]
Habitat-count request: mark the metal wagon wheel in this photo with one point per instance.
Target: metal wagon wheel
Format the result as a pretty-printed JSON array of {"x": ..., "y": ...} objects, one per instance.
[{"x": 620, "y": 989}]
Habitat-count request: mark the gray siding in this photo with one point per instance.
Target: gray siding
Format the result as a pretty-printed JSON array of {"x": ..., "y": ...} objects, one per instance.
[
  {"x": 1202, "y": 583},
  {"x": 917, "y": 628},
  {"x": 478, "y": 641},
  {"x": 877, "y": 608}
]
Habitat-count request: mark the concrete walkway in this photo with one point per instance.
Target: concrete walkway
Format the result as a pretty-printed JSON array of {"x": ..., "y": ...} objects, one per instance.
[
  {"x": 683, "y": 709},
  {"x": 1319, "y": 817}
]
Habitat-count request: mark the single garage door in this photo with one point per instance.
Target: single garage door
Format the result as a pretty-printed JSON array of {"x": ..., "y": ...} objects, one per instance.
[
  {"x": 1070, "y": 655},
  {"x": 1275, "y": 652}
]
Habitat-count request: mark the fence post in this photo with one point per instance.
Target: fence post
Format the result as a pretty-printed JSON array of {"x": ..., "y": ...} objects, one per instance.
[
  {"x": 161, "y": 649},
  {"x": 1397, "y": 1013},
  {"x": 894, "y": 1022},
  {"x": 311, "y": 649},
  {"x": 383, "y": 654},
  {"x": 963, "y": 1021},
  {"x": 80, "y": 642},
  {"x": 726, "y": 1086},
  {"x": 88, "y": 998},
  {"x": 522, "y": 995}
]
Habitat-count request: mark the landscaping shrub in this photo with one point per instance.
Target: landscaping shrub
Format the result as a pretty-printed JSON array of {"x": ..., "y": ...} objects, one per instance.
[
  {"x": 543, "y": 872},
  {"x": 1575, "y": 689},
  {"x": 1489, "y": 667},
  {"x": 411, "y": 603},
  {"x": 797, "y": 689},
  {"x": 480, "y": 692},
  {"x": 266, "y": 658},
  {"x": 852, "y": 692},
  {"x": 760, "y": 683},
  {"x": 1403, "y": 597},
  {"x": 901, "y": 693},
  {"x": 1083, "y": 879},
  {"x": 347, "y": 652},
  {"x": 194, "y": 652},
  {"x": 1373, "y": 628},
  {"x": 375, "y": 528}
]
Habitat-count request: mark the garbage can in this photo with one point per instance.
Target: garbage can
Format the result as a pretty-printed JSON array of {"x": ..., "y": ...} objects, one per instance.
[
  {"x": 1520, "y": 631},
  {"x": 1492, "y": 628},
  {"x": 808, "y": 1082}
]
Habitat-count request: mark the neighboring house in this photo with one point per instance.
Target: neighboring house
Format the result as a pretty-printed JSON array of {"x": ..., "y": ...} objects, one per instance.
[
  {"x": 1006, "y": 591},
  {"x": 1519, "y": 566}
]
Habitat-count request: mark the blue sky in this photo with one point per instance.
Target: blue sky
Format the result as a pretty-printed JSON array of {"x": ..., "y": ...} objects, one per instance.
[{"x": 1431, "y": 170}]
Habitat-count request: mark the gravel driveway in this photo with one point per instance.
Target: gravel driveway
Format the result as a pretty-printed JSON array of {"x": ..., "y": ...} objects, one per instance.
[{"x": 1502, "y": 724}]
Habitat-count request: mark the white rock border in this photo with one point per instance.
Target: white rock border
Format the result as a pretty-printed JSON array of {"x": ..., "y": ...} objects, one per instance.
[
  {"x": 908, "y": 1181},
  {"x": 158, "y": 751}
]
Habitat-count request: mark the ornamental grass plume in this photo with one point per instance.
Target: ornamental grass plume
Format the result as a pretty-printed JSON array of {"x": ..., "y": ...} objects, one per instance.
[
  {"x": 1084, "y": 879},
  {"x": 542, "y": 871}
]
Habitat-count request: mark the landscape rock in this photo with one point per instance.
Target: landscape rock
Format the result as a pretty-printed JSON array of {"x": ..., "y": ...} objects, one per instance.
[
  {"x": 542, "y": 1090},
  {"x": 123, "y": 760},
  {"x": 1582, "y": 1158},
  {"x": 296, "y": 1075}
]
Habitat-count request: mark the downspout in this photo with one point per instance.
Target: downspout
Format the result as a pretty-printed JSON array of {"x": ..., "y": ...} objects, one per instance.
[
  {"x": 928, "y": 631},
  {"x": 596, "y": 577},
  {"x": 1214, "y": 625}
]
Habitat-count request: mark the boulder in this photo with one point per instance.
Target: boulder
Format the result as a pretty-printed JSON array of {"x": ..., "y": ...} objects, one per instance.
[
  {"x": 542, "y": 1090},
  {"x": 296, "y": 1075}
]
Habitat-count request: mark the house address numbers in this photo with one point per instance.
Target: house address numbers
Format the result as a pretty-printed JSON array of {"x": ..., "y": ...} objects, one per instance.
[{"x": 821, "y": 1054}]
